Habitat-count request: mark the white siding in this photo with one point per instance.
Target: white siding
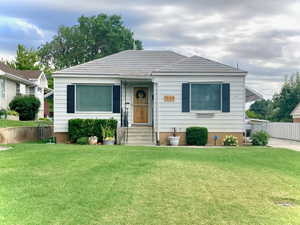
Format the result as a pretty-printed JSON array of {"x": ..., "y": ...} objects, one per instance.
[
  {"x": 61, "y": 116},
  {"x": 10, "y": 92},
  {"x": 170, "y": 115}
]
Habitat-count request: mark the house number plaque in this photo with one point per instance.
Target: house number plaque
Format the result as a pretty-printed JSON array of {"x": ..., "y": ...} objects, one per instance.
[{"x": 169, "y": 98}]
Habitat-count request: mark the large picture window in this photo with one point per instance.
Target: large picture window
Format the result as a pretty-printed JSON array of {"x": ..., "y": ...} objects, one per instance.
[
  {"x": 93, "y": 98},
  {"x": 206, "y": 97}
]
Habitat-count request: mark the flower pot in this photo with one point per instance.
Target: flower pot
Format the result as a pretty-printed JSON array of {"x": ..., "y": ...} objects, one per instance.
[
  {"x": 109, "y": 142},
  {"x": 174, "y": 140}
]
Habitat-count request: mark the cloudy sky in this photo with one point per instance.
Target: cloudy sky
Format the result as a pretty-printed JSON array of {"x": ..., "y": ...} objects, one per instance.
[{"x": 262, "y": 37}]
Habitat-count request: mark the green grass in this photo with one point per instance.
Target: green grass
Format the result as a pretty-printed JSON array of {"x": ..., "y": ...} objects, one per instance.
[
  {"x": 114, "y": 185},
  {"x": 15, "y": 123}
]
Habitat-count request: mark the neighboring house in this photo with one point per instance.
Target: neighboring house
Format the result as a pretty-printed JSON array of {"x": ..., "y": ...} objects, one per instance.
[
  {"x": 296, "y": 114},
  {"x": 158, "y": 89},
  {"x": 21, "y": 82}
]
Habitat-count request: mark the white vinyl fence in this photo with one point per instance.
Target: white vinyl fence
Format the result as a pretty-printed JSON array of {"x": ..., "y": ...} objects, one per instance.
[{"x": 290, "y": 131}]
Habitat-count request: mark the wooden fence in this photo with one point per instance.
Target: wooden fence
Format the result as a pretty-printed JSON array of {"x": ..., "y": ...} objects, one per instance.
[{"x": 290, "y": 131}]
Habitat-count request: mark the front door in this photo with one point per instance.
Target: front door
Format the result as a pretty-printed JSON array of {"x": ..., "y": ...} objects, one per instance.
[{"x": 140, "y": 105}]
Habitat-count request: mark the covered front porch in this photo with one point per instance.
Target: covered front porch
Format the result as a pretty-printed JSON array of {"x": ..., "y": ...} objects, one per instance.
[{"x": 137, "y": 111}]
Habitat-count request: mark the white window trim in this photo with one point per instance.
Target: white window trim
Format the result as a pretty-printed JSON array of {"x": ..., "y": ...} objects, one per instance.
[
  {"x": 93, "y": 112},
  {"x": 207, "y": 111}
]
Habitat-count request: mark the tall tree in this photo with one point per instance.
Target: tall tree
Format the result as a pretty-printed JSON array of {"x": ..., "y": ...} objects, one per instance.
[
  {"x": 27, "y": 59},
  {"x": 287, "y": 99},
  {"x": 93, "y": 37},
  {"x": 261, "y": 109}
]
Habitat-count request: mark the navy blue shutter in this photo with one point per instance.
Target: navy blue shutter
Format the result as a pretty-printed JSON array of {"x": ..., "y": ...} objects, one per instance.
[
  {"x": 116, "y": 98},
  {"x": 185, "y": 104},
  {"x": 70, "y": 99},
  {"x": 225, "y": 97}
]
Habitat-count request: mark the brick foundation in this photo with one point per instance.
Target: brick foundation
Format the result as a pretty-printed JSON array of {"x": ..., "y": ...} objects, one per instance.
[
  {"x": 61, "y": 137},
  {"x": 163, "y": 136},
  {"x": 296, "y": 120}
]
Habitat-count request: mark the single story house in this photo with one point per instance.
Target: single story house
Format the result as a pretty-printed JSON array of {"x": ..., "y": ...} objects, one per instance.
[
  {"x": 152, "y": 92},
  {"x": 296, "y": 114},
  {"x": 21, "y": 82}
]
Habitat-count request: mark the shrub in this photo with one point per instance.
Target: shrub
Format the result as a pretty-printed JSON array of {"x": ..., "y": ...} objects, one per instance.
[
  {"x": 82, "y": 141},
  {"x": 196, "y": 135},
  {"x": 3, "y": 114},
  {"x": 26, "y": 106},
  {"x": 260, "y": 138},
  {"x": 230, "y": 140},
  {"x": 89, "y": 127}
]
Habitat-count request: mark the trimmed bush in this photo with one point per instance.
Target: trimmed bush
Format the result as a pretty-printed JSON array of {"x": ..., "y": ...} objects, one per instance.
[
  {"x": 26, "y": 106},
  {"x": 260, "y": 138},
  {"x": 3, "y": 114},
  {"x": 82, "y": 141},
  {"x": 196, "y": 135},
  {"x": 230, "y": 140},
  {"x": 89, "y": 127}
]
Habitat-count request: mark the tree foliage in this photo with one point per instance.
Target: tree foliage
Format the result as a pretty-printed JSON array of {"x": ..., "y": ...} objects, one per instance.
[
  {"x": 251, "y": 114},
  {"x": 93, "y": 37},
  {"x": 281, "y": 105},
  {"x": 27, "y": 59},
  {"x": 287, "y": 99},
  {"x": 260, "y": 109}
]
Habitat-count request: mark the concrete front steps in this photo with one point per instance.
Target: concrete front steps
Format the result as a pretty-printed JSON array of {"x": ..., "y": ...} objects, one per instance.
[{"x": 140, "y": 136}]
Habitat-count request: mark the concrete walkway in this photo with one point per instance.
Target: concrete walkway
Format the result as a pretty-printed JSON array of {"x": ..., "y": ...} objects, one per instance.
[{"x": 282, "y": 143}]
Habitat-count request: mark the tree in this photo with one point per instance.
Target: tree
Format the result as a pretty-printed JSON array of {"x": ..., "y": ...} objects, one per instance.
[
  {"x": 27, "y": 59},
  {"x": 93, "y": 37},
  {"x": 261, "y": 109},
  {"x": 251, "y": 114},
  {"x": 287, "y": 99}
]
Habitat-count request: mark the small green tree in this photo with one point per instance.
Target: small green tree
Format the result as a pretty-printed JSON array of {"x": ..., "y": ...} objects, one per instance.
[
  {"x": 261, "y": 108},
  {"x": 27, "y": 59},
  {"x": 26, "y": 106}
]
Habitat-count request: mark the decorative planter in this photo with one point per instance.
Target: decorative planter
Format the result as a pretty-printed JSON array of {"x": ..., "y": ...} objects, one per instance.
[
  {"x": 108, "y": 142},
  {"x": 174, "y": 140},
  {"x": 93, "y": 140}
]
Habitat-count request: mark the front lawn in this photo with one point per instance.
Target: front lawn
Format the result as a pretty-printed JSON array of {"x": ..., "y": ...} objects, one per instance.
[
  {"x": 16, "y": 123},
  {"x": 90, "y": 185}
]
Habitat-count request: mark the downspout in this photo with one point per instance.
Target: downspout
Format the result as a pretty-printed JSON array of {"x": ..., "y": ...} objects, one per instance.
[{"x": 157, "y": 114}]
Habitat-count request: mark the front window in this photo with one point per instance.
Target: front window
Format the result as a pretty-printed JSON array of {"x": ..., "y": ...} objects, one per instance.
[
  {"x": 93, "y": 98},
  {"x": 206, "y": 97}
]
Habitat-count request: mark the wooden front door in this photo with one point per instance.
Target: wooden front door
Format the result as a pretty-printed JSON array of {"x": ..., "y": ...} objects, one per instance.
[{"x": 140, "y": 104}]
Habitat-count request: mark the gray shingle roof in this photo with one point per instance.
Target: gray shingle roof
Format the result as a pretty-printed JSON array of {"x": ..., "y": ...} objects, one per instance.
[
  {"x": 146, "y": 62},
  {"x": 196, "y": 64},
  {"x": 130, "y": 62},
  {"x": 25, "y": 74}
]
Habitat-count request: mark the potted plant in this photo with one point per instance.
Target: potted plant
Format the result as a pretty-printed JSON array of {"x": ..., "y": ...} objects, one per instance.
[
  {"x": 108, "y": 135},
  {"x": 174, "y": 139}
]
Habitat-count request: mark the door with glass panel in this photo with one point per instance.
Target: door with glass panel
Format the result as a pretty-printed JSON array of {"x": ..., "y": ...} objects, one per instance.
[{"x": 140, "y": 105}]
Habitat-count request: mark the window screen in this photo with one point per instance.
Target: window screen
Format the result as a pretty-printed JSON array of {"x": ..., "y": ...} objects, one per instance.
[
  {"x": 206, "y": 97},
  {"x": 93, "y": 98}
]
